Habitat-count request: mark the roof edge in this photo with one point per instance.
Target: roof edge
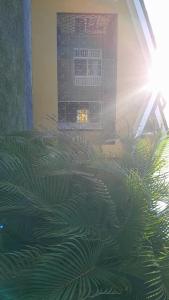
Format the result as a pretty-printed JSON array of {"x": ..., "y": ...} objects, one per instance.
[{"x": 142, "y": 24}]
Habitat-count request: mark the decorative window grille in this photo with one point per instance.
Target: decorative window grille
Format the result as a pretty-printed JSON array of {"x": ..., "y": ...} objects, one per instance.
[
  {"x": 91, "y": 24},
  {"x": 85, "y": 52},
  {"x": 87, "y": 114},
  {"x": 80, "y": 24},
  {"x": 87, "y": 67},
  {"x": 86, "y": 56}
]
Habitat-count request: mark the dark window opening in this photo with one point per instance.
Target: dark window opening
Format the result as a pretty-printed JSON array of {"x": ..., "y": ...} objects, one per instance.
[
  {"x": 80, "y": 66},
  {"x": 94, "y": 67},
  {"x": 87, "y": 67},
  {"x": 80, "y": 112},
  {"x": 80, "y": 24}
]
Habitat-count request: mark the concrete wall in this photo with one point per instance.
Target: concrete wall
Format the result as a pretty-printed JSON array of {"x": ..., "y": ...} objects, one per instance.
[{"x": 131, "y": 66}]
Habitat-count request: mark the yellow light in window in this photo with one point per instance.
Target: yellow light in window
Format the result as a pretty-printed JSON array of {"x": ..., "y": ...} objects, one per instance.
[{"x": 82, "y": 116}]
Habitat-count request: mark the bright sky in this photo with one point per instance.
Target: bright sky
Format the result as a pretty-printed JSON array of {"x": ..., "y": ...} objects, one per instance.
[
  {"x": 158, "y": 11},
  {"x": 158, "y": 14}
]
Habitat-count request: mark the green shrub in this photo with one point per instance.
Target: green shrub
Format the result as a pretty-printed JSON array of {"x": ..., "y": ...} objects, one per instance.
[{"x": 76, "y": 225}]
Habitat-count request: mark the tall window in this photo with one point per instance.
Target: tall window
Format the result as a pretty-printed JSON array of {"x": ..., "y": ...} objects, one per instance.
[
  {"x": 87, "y": 67},
  {"x": 86, "y": 70}
]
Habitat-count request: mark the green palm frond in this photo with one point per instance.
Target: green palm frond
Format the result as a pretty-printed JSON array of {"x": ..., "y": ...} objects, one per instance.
[
  {"x": 87, "y": 210},
  {"x": 164, "y": 267},
  {"x": 44, "y": 274},
  {"x": 14, "y": 264},
  {"x": 133, "y": 215},
  {"x": 155, "y": 286},
  {"x": 78, "y": 226},
  {"x": 88, "y": 274}
]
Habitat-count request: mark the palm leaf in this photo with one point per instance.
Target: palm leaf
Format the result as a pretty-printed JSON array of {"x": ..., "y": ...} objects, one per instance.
[
  {"x": 88, "y": 275},
  {"x": 88, "y": 219}
]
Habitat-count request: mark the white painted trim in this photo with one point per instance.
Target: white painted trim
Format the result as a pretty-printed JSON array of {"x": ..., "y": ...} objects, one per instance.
[
  {"x": 143, "y": 23},
  {"x": 163, "y": 126},
  {"x": 138, "y": 30},
  {"x": 146, "y": 114}
]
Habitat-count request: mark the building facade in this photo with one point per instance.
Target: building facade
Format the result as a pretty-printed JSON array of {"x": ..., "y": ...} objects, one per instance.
[
  {"x": 86, "y": 70},
  {"x": 89, "y": 65},
  {"x": 79, "y": 65}
]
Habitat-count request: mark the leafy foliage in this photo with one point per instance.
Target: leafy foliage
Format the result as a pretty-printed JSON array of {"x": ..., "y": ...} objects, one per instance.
[{"x": 75, "y": 225}]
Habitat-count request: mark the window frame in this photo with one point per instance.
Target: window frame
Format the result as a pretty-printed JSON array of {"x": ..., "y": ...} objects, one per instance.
[
  {"x": 67, "y": 37},
  {"x": 68, "y": 125},
  {"x": 90, "y": 55}
]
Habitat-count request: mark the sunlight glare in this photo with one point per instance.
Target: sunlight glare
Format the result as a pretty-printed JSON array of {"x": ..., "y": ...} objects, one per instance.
[{"x": 159, "y": 72}]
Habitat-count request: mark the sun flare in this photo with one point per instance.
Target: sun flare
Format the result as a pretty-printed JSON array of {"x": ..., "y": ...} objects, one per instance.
[
  {"x": 159, "y": 69},
  {"x": 159, "y": 73}
]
